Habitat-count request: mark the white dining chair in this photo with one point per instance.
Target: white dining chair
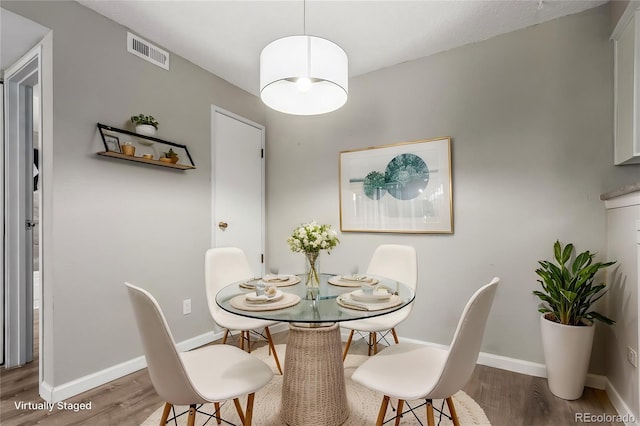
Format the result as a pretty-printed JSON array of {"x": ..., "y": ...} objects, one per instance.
[
  {"x": 224, "y": 266},
  {"x": 411, "y": 371},
  {"x": 399, "y": 263},
  {"x": 211, "y": 374}
]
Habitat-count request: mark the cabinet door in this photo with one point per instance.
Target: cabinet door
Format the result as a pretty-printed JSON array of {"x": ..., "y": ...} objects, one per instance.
[{"x": 627, "y": 109}]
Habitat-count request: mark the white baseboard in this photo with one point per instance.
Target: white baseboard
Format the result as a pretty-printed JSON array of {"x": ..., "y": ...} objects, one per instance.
[
  {"x": 53, "y": 394},
  {"x": 626, "y": 415},
  {"x": 511, "y": 364}
]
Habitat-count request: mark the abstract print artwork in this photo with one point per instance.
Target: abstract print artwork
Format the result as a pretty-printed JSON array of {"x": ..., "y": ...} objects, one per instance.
[{"x": 404, "y": 187}]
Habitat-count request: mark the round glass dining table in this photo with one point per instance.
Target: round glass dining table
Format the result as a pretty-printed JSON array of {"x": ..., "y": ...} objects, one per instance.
[{"x": 313, "y": 389}]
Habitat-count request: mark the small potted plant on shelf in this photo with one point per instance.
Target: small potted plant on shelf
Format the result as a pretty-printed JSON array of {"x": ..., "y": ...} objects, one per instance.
[
  {"x": 568, "y": 293},
  {"x": 145, "y": 124},
  {"x": 169, "y": 156}
]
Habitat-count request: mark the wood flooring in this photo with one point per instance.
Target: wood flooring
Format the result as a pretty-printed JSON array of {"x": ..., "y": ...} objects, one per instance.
[{"x": 508, "y": 399}]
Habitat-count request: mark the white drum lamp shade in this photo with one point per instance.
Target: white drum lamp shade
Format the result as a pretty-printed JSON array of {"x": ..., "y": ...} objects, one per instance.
[{"x": 304, "y": 75}]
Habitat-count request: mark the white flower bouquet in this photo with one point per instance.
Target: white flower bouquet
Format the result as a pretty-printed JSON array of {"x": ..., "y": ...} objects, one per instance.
[{"x": 310, "y": 238}]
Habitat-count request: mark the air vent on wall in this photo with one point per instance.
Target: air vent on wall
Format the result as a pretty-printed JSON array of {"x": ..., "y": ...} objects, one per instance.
[{"x": 147, "y": 51}]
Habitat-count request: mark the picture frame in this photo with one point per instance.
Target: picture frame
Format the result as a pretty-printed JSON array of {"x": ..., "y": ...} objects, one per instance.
[
  {"x": 112, "y": 143},
  {"x": 399, "y": 188}
]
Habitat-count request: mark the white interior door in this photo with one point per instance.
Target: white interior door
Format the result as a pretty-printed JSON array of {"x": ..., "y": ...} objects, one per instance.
[{"x": 238, "y": 185}]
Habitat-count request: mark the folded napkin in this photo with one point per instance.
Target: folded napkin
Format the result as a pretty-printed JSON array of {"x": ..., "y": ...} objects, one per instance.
[
  {"x": 359, "y": 278},
  {"x": 342, "y": 281},
  {"x": 275, "y": 278},
  {"x": 346, "y": 301}
]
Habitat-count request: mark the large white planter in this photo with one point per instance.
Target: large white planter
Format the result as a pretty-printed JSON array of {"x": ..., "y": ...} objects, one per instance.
[{"x": 567, "y": 351}]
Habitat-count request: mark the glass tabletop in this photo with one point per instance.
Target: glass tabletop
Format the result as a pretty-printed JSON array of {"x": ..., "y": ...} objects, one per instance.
[{"x": 324, "y": 309}]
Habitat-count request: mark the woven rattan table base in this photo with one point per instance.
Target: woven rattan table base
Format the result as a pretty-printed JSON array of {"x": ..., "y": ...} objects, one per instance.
[{"x": 313, "y": 389}]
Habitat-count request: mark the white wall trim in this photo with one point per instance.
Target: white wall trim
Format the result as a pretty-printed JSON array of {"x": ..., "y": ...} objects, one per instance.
[
  {"x": 53, "y": 394},
  {"x": 621, "y": 407}
]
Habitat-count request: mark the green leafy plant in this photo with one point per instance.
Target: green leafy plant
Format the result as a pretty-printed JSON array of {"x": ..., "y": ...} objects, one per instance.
[
  {"x": 144, "y": 119},
  {"x": 169, "y": 154},
  {"x": 568, "y": 287}
]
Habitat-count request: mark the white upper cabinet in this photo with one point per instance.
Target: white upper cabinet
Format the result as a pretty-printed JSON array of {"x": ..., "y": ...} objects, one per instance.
[{"x": 626, "y": 37}]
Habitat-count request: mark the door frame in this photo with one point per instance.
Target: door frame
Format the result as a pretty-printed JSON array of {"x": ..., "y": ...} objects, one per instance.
[
  {"x": 218, "y": 110},
  {"x": 45, "y": 336},
  {"x": 18, "y": 198}
]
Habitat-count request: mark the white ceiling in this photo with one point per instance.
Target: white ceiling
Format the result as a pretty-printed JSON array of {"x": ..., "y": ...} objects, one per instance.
[
  {"x": 17, "y": 36},
  {"x": 226, "y": 37}
]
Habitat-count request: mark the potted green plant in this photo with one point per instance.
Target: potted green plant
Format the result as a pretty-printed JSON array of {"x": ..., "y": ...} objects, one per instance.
[
  {"x": 568, "y": 294},
  {"x": 145, "y": 124},
  {"x": 169, "y": 156}
]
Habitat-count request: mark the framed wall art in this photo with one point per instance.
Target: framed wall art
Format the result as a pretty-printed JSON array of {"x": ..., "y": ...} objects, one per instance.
[
  {"x": 112, "y": 143},
  {"x": 404, "y": 187}
]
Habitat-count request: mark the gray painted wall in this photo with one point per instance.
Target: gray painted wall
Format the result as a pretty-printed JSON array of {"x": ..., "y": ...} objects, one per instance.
[
  {"x": 530, "y": 114},
  {"x": 116, "y": 221}
]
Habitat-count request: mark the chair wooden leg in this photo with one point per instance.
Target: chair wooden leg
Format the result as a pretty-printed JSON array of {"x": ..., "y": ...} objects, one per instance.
[
  {"x": 383, "y": 410},
  {"x": 217, "y": 407},
  {"x": 165, "y": 414},
  {"x": 226, "y": 334},
  {"x": 249, "y": 341},
  {"x": 273, "y": 348},
  {"x": 236, "y": 402},
  {"x": 191, "y": 421},
  {"x": 430, "y": 419},
  {"x": 241, "y": 342},
  {"x": 370, "y": 344},
  {"x": 399, "y": 412},
  {"x": 375, "y": 343},
  {"x": 248, "y": 412},
  {"x": 346, "y": 348},
  {"x": 395, "y": 336},
  {"x": 452, "y": 411}
]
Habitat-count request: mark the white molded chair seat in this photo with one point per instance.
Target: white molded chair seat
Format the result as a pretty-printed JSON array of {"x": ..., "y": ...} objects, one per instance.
[
  {"x": 379, "y": 323},
  {"x": 399, "y": 263},
  {"x": 210, "y": 374},
  {"x": 222, "y": 372},
  {"x": 223, "y": 266},
  {"x": 236, "y": 322},
  {"x": 409, "y": 371}
]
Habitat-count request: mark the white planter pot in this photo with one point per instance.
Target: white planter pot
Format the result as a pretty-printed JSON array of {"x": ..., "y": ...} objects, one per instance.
[
  {"x": 145, "y": 130},
  {"x": 567, "y": 351}
]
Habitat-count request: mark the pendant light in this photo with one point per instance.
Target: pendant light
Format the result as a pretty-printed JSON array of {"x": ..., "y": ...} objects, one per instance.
[{"x": 303, "y": 74}]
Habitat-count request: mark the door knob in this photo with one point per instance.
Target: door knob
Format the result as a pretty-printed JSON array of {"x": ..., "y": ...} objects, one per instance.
[{"x": 223, "y": 225}]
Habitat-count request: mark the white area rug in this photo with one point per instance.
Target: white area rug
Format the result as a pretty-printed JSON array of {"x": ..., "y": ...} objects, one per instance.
[{"x": 363, "y": 403}]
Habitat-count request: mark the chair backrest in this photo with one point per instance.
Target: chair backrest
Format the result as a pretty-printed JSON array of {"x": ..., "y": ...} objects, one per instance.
[
  {"x": 222, "y": 266},
  {"x": 165, "y": 367},
  {"x": 397, "y": 262},
  {"x": 465, "y": 347}
]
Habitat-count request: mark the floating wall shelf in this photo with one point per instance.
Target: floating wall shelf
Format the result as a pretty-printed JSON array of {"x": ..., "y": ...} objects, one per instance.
[{"x": 107, "y": 132}]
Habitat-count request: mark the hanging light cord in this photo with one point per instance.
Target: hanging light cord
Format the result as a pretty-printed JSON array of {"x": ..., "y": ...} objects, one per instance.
[{"x": 304, "y": 17}]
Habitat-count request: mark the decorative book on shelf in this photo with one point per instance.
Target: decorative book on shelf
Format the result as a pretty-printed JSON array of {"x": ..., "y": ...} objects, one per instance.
[{"x": 131, "y": 146}]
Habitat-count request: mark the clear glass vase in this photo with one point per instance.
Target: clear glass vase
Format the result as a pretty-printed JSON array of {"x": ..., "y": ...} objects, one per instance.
[{"x": 312, "y": 279}]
